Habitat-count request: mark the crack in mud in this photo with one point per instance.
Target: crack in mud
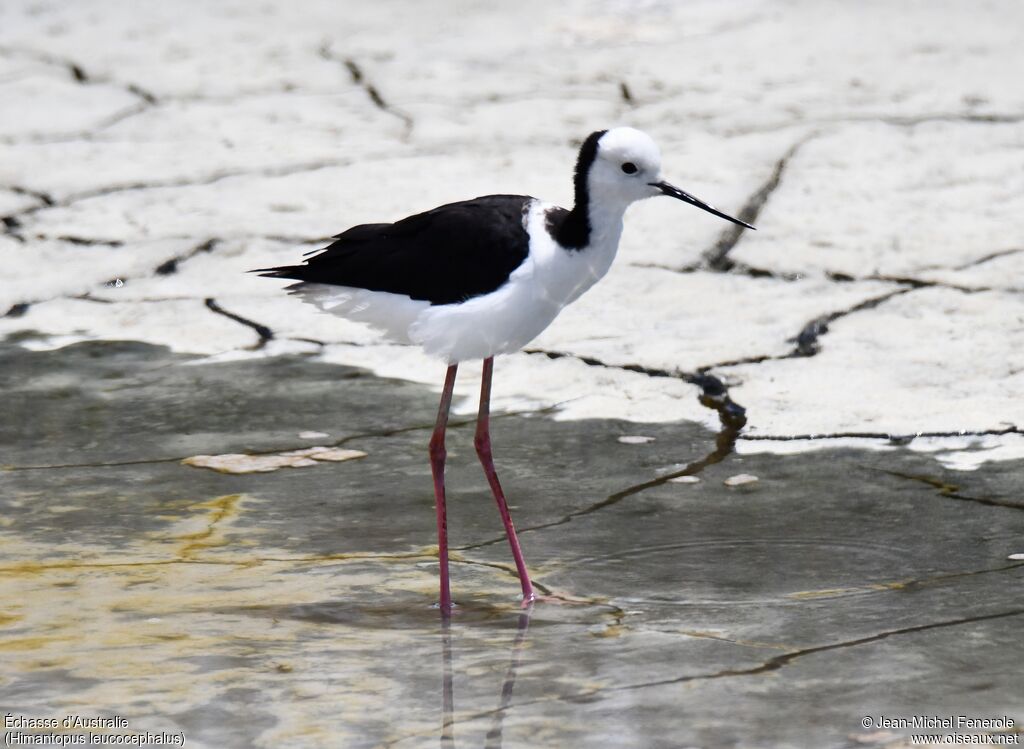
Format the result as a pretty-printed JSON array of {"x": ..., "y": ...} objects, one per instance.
[
  {"x": 806, "y": 340},
  {"x": 989, "y": 257},
  {"x": 901, "y": 439},
  {"x": 779, "y": 661},
  {"x": 18, "y": 309},
  {"x": 277, "y": 170},
  {"x": 950, "y": 490},
  {"x": 265, "y": 334},
  {"x": 772, "y": 664},
  {"x": 740, "y": 268},
  {"x": 713, "y": 395},
  {"x": 169, "y": 267},
  {"x": 994, "y": 118},
  {"x": 359, "y": 79},
  {"x": 717, "y": 258},
  {"x": 78, "y": 72},
  {"x": 427, "y": 426}
]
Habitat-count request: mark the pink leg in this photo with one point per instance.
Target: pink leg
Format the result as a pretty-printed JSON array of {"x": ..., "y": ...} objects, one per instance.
[
  {"x": 483, "y": 450},
  {"x": 437, "y": 456}
]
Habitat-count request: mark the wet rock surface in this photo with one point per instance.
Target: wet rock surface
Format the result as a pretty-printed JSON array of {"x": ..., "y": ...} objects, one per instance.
[{"x": 295, "y": 607}]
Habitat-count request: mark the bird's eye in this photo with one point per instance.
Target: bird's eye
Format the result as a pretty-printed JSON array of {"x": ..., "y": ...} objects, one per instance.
[{"x": 629, "y": 167}]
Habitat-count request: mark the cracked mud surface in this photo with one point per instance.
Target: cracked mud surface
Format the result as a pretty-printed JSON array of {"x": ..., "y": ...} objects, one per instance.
[
  {"x": 862, "y": 354},
  {"x": 842, "y": 583}
]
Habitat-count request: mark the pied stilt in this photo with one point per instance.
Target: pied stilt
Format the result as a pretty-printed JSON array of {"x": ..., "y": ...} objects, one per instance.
[{"x": 483, "y": 277}]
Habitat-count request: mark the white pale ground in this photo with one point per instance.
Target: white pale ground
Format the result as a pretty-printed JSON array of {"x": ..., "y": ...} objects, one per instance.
[{"x": 906, "y": 120}]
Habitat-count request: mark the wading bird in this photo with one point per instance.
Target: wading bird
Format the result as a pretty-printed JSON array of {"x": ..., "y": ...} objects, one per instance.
[{"x": 483, "y": 277}]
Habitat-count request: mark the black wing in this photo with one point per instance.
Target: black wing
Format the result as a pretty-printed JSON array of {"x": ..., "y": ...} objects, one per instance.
[{"x": 442, "y": 256}]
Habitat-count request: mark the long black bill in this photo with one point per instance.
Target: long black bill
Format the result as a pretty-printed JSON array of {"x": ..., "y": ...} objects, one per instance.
[{"x": 675, "y": 192}]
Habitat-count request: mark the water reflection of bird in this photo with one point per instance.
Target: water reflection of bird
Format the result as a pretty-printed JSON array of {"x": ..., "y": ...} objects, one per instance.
[
  {"x": 494, "y": 733},
  {"x": 483, "y": 277}
]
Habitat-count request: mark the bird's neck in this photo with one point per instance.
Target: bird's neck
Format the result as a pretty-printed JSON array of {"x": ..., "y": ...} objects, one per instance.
[
  {"x": 591, "y": 223},
  {"x": 605, "y": 224}
]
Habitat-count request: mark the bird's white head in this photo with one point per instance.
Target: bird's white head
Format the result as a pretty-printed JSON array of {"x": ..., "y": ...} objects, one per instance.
[
  {"x": 625, "y": 164},
  {"x": 619, "y": 166}
]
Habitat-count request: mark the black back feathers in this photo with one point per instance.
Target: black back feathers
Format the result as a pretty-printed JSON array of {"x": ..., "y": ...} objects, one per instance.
[{"x": 444, "y": 256}]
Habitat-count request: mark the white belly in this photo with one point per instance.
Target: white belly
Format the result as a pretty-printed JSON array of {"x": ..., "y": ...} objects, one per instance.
[{"x": 497, "y": 323}]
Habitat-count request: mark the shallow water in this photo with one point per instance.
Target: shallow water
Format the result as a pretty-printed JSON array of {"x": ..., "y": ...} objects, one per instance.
[{"x": 296, "y": 607}]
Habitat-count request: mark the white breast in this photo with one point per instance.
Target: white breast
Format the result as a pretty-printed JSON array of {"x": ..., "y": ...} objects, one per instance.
[{"x": 513, "y": 315}]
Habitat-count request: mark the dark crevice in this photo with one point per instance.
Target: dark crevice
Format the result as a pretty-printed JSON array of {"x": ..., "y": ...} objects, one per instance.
[
  {"x": 84, "y": 241},
  {"x": 359, "y": 79},
  {"x": 318, "y": 342},
  {"x": 282, "y": 238},
  {"x": 919, "y": 283},
  {"x": 985, "y": 119},
  {"x": 78, "y": 72},
  {"x": 453, "y": 424},
  {"x": 265, "y": 334},
  {"x": 771, "y": 665},
  {"x": 806, "y": 341},
  {"x": 354, "y": 70},
  {"x": 774, "y": 664},
  {"x": 166, "y": 268},
  {"x": 894, "y": 437},
  {"x": 87, "y": 297},
  {"x": 952, "y": 491},
  {"x": 169, "y": 267},
  {"x": 744, "y": 269},
  {"x": 989, "y": 257},
  {"x": 43, "y": 197},
  {"x": 714, "y": 395},
  {"x": 717, "y": 258},
  {"x": 626, "y": 94},
  {"x": 268, "y": 171},
  {"x": 725, "y": 442},
  {"x": 147, "y": 96},
  {"x": 905, "y": 121}
]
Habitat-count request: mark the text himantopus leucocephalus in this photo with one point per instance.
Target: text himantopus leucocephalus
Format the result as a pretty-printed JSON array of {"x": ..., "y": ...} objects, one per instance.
[{"x": 483, "y": 277}]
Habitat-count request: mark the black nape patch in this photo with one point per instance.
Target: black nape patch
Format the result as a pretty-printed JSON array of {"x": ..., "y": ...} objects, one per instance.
[{"x": 571, "y": 229}]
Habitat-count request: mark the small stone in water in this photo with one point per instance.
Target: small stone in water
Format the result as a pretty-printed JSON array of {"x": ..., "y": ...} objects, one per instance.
[
  {"x": 635, "y": 439},
  {"x": 684, "y": 480},
  {"x": 1016, "y": 557},
  {"x": 313, "y": 435},
  {"x": 740, "y": 479}
]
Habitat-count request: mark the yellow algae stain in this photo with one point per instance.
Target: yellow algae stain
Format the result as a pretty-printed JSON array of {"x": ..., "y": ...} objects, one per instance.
[
  {"x": 16, "y": 644},
  {"x": 805, "y": 595},
  {"x": 220, "y": 510},
  {"x": 612, "y": 630},
  {"x": 6, "y": 619},
  {"x": 36, "y": 568}
]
